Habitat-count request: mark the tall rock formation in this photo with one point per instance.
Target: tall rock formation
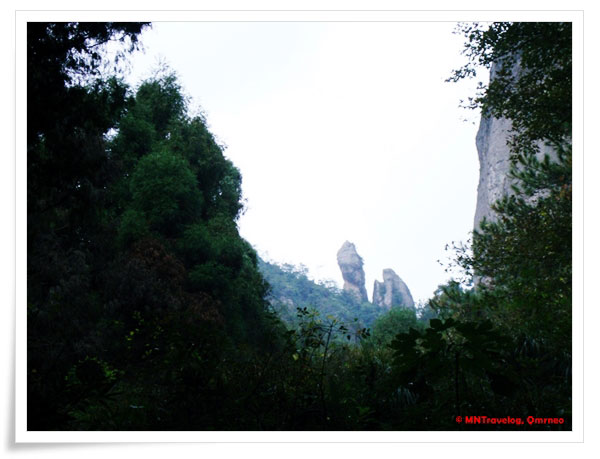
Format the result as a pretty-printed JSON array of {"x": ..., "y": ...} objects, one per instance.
[
  {"x": 392, "y": 291},
  {"x": 494, "y": 159},
  {"x": 351, "y": 265}
]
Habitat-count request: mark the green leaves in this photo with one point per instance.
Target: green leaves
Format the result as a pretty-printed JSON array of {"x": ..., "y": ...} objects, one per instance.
[
  {"x": 160, "y": 102},
  {"x": 452, "y": 360},
  {"x": 537, "y": 96},
  {"x": 133, "y": 227},
  {"x": 527, "y": 251},
  {"x": 396, "y": 320},
  {"x": 524, "y": 256},
  {"x": 164, "y": 188},
  {"x": 133, "y": 249}
]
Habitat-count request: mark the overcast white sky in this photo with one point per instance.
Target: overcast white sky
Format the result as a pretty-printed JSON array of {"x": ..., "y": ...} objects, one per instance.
[{"x": 342, "y": 131}]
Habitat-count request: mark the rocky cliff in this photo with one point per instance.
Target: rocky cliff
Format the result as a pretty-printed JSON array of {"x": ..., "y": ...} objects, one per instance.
[
  {"x": 494, "y": 160},
  {"x": 392, "y": 291},
  {"x": 351, "y": 265}
]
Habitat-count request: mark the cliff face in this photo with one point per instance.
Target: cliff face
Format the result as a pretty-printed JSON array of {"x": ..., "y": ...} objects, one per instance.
[
  {"x": 351, "y": 265},
  {"x": 392, "y": 291},
  {"x": 494, "y": 166},
  {"x": 494, "y": 160}
]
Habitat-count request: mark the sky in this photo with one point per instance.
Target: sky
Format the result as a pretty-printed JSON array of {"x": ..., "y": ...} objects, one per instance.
[{"x": 342, "y": 131}]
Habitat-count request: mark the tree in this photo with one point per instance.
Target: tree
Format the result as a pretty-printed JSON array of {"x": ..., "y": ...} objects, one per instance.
[
  {"x": 396, "y": 320},
  {"x": 532, "y": 78},
  {"x": 163, "y": 188},
  {"x": 71, "y": 104},
  {"x": 526, "y": 253},
  {"x": 141, "y": 292}
]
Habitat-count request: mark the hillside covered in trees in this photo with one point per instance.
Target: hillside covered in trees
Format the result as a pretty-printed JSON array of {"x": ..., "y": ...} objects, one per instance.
[{"x": 146, "y": 309}]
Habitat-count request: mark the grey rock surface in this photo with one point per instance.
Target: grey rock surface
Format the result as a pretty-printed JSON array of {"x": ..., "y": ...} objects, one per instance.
[
  {"x": 494, "y": 166},
  {"x": 392, "y": 291},
  {"x": 351, "y": 265},
  {"x": 378, "y": 293},
  {"x": 494, "y": 160}
]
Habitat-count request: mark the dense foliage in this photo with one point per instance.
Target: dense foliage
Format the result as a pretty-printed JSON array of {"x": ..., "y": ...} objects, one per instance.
[
  {"x": 147, "y": 311},
  {"x": 139, "y": 284}
]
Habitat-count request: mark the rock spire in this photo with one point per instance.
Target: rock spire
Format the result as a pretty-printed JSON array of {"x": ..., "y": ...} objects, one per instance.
[
  {"x": 392, "y": 291},
  {"x": 351, "y": 265}
]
